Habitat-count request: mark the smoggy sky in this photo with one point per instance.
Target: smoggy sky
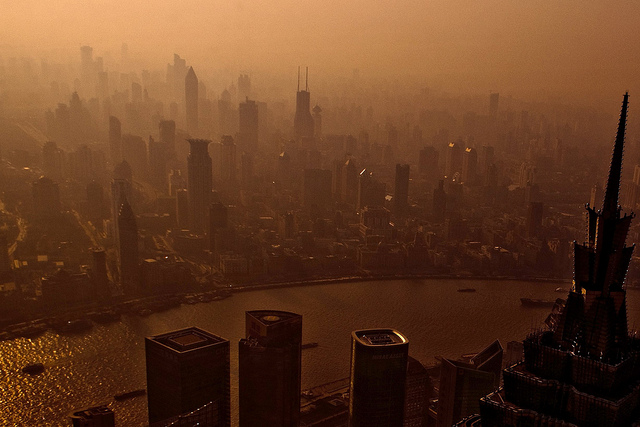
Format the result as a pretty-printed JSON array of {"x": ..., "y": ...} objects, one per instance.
[{"x": 565, "y": 46}]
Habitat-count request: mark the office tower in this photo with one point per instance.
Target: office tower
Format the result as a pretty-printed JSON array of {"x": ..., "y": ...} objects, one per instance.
[
  {"x": 428, "y": 162},
  {"x": 401, "y": 194},
  {"x": 469, "y": 166},
  {"x": 371, "y": 192},
  {"x": 115, "y": 140},
  {"x": 158, "y": 164},
  {"x": 317, "y": 122},
  {"x": 493, "y": 104},
  {"x": 534, "y": 219},
  {"x": 99, "y": 274},
  {"x": 134, "y": 152},
  {"x": 182, "y": 208},
  {"x": 95, "y": 201},
  {"x": 347, "y": 175},
  {"x": 462, "y": 384},
  {"x": 486, "y": 160},
  {"x": 198, "y": 183},
  {"x": 248, "y": 126},
  {"x": 46, "y": 198},
  {"x": 454, "y": 161},
  {"x": 246, "y": 170},
  {"x": 128, "y": 248},
  {"x": 176, "y": 182},
  {"x": 186, "y": 370},
  {"x": 316, "y": 192},
  {"x": 581, "y": 370},
  {"x": 269, "y": 369},
  {"x": 439, "y": 202},
  {"x": 218, "y": 225},
  {"x": 378, "y": 378},
  {"x": 98, "y": 416},
  {"x": 167, "y": 131},
  {"x": 418, "y": 392},
  {"x": 303, "y": 121},
  {"x": 227, "y": 160},
  {"x": 191, "y": 101}
]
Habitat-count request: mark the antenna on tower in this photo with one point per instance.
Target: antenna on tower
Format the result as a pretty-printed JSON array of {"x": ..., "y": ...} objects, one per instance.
[
  {"x": 298, "y": 78},
  {"x": 307, "y": 80}
]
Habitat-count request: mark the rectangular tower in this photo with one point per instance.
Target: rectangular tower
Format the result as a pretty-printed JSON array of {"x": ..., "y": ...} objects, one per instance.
[{"x": 186, "y": 370}]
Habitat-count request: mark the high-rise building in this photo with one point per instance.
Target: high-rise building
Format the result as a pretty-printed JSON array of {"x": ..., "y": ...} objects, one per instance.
[
  {"x": 462, "y": 384},
  {"x": 5, "y": 263},
  {"x": 469, "y": 166},
  {"x": 191, "y": 100},
  {"x": 218, "y": 225},
  {"x": 128, "y": 248},
  {"x": 186, "y": 370},
  {"x": 581, "y": 370},
  {"x": 371, "y": 192},
  {"x": 378, "y": 378},
  {"x": 428, "y": 162},
  {"x": 115, "y": 140},
  {"x": 134, "y": 152},
  {"x": 453, "y": 167},
  {"x": 270, "y": 368},
  {"x": 303, "y": 121},
  {"x": 317, "y": 122},
  {"x": 228, "y": 165},
  {"x": 182, "y": 208},
  {"x": 98, "y": 416},
  {"x": 439, "y": 202},
  {"x": 534, "y": 219},
  {"x": 316, "y": 193},
  {"x": 99, "y": 275},
  {"x": 167, "y": 131},
  {"x": 248, "y": 126},
  {"x": 198, "y": 183},
  {"x": 401, "y": 194},
  {"x": 418, "y": 392}
]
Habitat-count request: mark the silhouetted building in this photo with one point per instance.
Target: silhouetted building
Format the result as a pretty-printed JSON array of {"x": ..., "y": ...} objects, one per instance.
[
  {"x": 198, "y": 183},
  {"x": 228, "y": 160},
  {"x": 167, "y": 131},
  {"x": 317, "y": 189},
  {"x": 418, "y": 392},
  {"x": 187, "y": 369},
  {"x": 182, "y": 208},
  {"x": 462, "y": 384},
  {"x": 401, "y": 194},
  {"x": 534, "y": 219},
  {"x": 191, "y": 100},
  {"x": 453, "y": 167},
  {"x": 98, "y": 416},
  {"x": 270, "y": 368},
  {"x": 95, "y": 201},
  {"x": 317, "y": 122},
  {"x": 469, "y": 166},
  {"x": 439, "y": 202},
  {"x": 248, "y": 126},
  {"x": 158, "y": 164},
  {"x": 581, "y": 371},
  {"x": 371, "y": 192},
  {"x": 99, "y": 275},
  {"x": 303, "y": 121},
  {"x": 378, "y": 378},
  {"x": 134, "y": 152},
  {"x": 5, "y": 262},
  {"x": 428, "y": 162},
  {"x": 128, "y": 248},
  {"x": 218, "y": 231}
]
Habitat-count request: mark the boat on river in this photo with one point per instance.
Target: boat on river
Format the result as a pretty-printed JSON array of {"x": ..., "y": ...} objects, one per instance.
[
  {"x": 534, "y": 302},
  {"x": 130, "y": 394},
  {"x": 33, "y": 368}
]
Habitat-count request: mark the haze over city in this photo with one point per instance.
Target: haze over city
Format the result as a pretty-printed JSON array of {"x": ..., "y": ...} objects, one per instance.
[{"x": 327, "y": 214}]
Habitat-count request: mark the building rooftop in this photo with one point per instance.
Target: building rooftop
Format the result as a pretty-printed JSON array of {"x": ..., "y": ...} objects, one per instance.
[
  {"x": 379, "y": 337},
  {"x": 270, "y": 317},
  {"x": 187, "y": 339}
]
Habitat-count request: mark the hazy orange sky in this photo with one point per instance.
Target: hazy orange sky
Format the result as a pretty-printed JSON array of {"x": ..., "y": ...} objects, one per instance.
[{"x": 569, "y": 45}]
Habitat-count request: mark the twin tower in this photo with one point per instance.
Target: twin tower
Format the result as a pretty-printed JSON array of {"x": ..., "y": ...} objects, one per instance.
[{"x": 188, "y": 375}]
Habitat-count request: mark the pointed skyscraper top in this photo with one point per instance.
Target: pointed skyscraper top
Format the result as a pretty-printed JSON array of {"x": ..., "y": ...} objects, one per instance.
[
  {"x": 610, "y": 204},
  {"x": 191, "y": 74}
]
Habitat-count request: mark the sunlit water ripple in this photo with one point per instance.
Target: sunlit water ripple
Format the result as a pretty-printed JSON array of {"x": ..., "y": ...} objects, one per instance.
[{"x": 85, "y": 370}]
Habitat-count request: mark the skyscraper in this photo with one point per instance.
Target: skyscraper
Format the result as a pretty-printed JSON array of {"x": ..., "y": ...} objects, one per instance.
[
  {"x": 371, "y": 192},
  {"x": 582, "y": 369},
  {"x": 248, "y": 126},
  {"x": 167, "y": 131},
  {"x": 378, "y": 378},
  {"x": 228, "y": 166},
  {"x": 128, "y": 248},
  {"x": 401, "y": 194},
  {"x": 303, "y": 121},
  {"x": 198, "y": 183},
  {"x": 269, "y": 369},
  {"x": 187, "y": 369},
  {"x": 191, "y": 101}
]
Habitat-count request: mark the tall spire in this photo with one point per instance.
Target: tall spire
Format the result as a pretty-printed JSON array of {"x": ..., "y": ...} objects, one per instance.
[{"x": 610, "y": 204}]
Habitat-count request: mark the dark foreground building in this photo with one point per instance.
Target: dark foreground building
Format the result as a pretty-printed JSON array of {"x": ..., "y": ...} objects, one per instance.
[
  {"x": 187, "y": 370},
  {"x": 378, "y": 378},
  {"x": 270, "y": 368},
  {"x": 585, "y": 369}
]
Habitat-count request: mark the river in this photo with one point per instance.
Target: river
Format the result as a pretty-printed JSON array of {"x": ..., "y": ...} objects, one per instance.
[{"x": 85, "y": 370}]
